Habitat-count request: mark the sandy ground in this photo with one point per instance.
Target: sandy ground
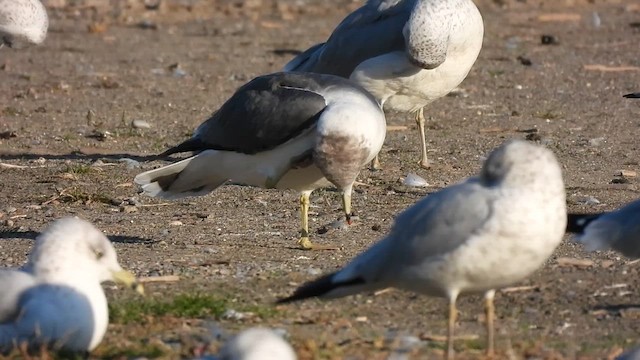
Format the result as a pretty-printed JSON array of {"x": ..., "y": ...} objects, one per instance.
[{"x": 66, "y": 110}]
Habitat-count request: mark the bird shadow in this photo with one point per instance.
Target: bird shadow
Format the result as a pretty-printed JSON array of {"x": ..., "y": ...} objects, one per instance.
[
  {"x": 78, "y": 155},
  {"x": 285, "y": 52},
  {"x": 31, "y": 235},
  {"x": 616, "y": 308}
]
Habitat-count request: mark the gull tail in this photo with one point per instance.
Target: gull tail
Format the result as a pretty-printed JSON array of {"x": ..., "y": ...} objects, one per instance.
[
  {"x": 590, "y": 230},
  {"x": 576, "y": 223},
  {"x": 195, "y": 176},
  {"x": 326, "y": 286},
  {"x": 635, "y": 95}
]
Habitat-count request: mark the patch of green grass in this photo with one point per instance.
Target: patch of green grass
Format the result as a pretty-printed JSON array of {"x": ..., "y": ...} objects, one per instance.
[
  {"x": 76, "y": 195},
  {"x": 11, "y": 111},
  {"x": 548, "y": 115},
  {"x": 183, "y": 305},
  {"x": 149, "y": 351},
  {"x": 78, "y": 169}
]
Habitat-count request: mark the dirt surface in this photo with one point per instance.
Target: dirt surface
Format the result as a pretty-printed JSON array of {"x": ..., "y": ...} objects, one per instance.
[{"x": 66, "y": 108}]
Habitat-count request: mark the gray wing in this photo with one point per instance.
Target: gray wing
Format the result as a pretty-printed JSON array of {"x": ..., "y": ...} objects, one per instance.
[
  {"x": 442, "y": 221},
  {"x": 370, "y": 31},
  {"x": 434, "y": 226},
  {"x": 263, "y": 114},
  {"x": 13, "y": 283}
]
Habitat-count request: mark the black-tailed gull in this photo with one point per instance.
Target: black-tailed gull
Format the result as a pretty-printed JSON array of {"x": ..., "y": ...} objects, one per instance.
[
  {"x": 619, "y": 230},
  {"x": 407, "y": 53},
  {"x": 284, "y": 130},
  {"x": 474, "y": 237},
  {"x": 56, "y": 299},
  {"x": 257, "y": 344},
  {"x": 22, "y": 22}
]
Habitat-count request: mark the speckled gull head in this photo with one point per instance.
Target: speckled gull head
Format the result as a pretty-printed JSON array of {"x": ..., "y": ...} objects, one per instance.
[
  {"x": 257, "y": 344},
  {"x": 520, "y": 163},
  {"x": 82, "y": 253},
  {"x": 22, "y": 22}
]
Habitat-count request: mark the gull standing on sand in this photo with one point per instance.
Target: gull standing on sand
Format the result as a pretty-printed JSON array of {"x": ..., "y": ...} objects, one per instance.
[
  {"x": 619, "y": 230},
  {"x": 55, "y": 300},
  {"x": 22, "y": 22},
  {"x": 257, "y": 344},
  {"x": 285, "y": 131},
  {"x": 407, "y": 53},
  {"x": 474, "y": 237}
]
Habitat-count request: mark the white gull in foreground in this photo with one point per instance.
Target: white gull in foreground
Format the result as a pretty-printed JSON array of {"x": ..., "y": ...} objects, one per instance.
[
  {"x": 22, "y": 22},
  {"x": 407, "y": 53},
  {"x": 474, "y": 237},
  {"x": 285, "y": 131},
  {"x": 56, "y": 299},
  {"x": 257, "y": 344}
]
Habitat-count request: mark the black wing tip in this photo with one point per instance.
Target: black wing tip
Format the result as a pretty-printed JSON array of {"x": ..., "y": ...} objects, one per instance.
[
  {"x": 192, "y": 144},
  {"x": 318, "y": 288},
  {"x": 635, "y": 95},
  {"x": 576, "y": 223}
]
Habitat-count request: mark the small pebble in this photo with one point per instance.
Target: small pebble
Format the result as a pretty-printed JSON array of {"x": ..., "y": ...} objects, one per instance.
[
  {"x": 176, "y": 223},
  {"x": 140, "y": 124},
  {"x": 414, "y": 180},
  {"x": 131, "y": 164}
]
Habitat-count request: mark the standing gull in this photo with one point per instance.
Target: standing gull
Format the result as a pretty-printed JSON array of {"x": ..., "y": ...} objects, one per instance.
[
  {"x": 285, "y": 131},
  {"x": 619, "y": 230},
  {"x": 22, "y": 22},
  {"x": 407, "y": 53},
  {"x": 474, "y": 237},
  {"x": 56, "y": 299}
]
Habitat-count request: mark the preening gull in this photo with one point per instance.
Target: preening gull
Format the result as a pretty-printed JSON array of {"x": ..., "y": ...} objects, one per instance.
[
  {"x": 56, "y": 299},
  {"x": 22, "y": 22},
  {"x": 619, "y": 230},
  {"x": 284, "y": 130},
  {"x": 257, "y": 344},
  {"x": 407, "y": 53},
  {"x": 474, "y": 237}
]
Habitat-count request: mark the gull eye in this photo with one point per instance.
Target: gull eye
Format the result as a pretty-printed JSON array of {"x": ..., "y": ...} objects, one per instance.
[{"x": 98, "y": 253}]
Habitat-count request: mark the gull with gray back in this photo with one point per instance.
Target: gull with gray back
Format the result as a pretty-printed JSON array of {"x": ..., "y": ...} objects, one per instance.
[
  {"x": 480, "y": 235},
  {"x": 407, "y": 53}
]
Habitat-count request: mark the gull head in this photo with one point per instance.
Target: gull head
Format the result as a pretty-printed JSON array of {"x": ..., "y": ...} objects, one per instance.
[
  {"x": 22, "y": 22},
  {"x": 257, "y": 344},
  {"x": 72, "y": 250},
  {"x": 519, "y": 162}
]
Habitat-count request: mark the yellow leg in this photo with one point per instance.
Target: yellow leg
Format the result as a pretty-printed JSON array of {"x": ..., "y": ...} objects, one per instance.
[
  {"x": 490, "y": 315},
  {"x": 453, "y": 314},
  {"x": 423, "y": 140},
  {"x": 304, "y": 242}
]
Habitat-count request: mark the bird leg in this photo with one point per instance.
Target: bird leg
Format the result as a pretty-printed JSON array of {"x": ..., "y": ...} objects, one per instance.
[
  {"x": 346, "y": 205},
  {"x": 304, "y": 242},
  {"x": 490, "y": 315},
  {"x": 423, "y": 140},
  {"x": 453, "y": 314},
  {"x": 375, "y": 164}
]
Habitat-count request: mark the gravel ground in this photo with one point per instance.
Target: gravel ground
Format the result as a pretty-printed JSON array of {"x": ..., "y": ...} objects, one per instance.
[{"x": 66, "y": 113}]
